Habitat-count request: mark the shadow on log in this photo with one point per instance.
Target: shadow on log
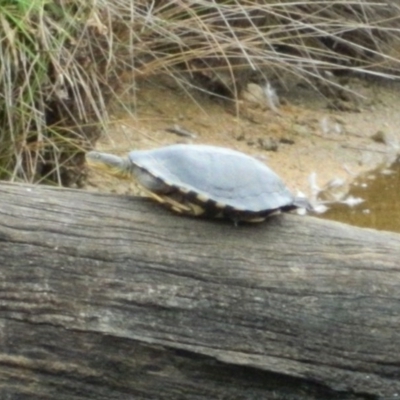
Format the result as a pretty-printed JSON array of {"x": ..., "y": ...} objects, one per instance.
[{"x": 112, "y": 297}]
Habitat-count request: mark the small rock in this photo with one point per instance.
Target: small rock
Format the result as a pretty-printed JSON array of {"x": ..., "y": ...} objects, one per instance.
[
  {"x": 379, "y": 136},
  {"x": 285, "y": 140},
  {"x": 268, "y": 144},
  {"x": 385, "y": 137},
  {"x": 240, "y": 137},
  {"x": 254, "y": 94}
]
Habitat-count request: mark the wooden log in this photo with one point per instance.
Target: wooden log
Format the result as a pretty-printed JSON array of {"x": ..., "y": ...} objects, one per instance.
[{"x": 105, "y": 296}]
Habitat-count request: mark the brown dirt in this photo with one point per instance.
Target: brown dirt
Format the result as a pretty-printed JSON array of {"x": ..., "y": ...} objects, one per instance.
[{"x": 316, "y": 138}]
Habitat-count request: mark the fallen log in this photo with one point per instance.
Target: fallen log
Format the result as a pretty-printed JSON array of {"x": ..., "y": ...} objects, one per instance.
[{"x": 111, "y": 297}]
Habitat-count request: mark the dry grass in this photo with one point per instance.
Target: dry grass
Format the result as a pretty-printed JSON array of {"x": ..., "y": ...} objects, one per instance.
[
  {"x": 232, "y": 40},
  {"x": 61, "y": 62}
]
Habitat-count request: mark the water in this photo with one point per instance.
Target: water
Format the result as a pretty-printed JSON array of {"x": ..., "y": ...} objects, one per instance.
[{"x": 380, "y": 209}]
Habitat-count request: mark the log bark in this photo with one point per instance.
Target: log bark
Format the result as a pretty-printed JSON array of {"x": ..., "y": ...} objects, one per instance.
[{"x": 113, "y": 297}]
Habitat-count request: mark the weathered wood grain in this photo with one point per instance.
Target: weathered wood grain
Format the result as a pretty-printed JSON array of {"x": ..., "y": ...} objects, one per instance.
[{"x": 106, "y": 296}]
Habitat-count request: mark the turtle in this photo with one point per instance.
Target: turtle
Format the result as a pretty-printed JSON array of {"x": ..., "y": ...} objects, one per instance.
[{"x": 204, "y": 180}]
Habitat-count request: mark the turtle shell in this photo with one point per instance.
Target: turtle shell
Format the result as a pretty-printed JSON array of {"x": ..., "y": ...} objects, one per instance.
[{"x": 216, "y": 177}]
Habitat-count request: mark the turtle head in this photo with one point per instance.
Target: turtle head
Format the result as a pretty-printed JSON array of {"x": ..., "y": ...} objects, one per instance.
[{"x": 114, "y": 165}]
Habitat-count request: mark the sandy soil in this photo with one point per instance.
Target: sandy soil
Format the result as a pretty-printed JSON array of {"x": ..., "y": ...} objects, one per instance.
[{"x": 311, "y": 136}]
